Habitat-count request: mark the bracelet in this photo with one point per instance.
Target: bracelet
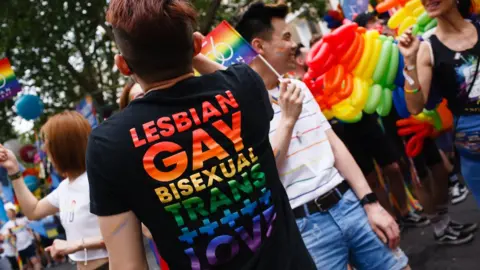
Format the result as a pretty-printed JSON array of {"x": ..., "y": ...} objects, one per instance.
[
  {"x": 84, "y": 251},
  {"x": 15, "y": 176},
  {"x": 413, "y": 91}
]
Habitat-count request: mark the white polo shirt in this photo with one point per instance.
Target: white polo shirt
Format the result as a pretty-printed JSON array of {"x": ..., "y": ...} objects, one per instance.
[{"x": 308, "y": 171}]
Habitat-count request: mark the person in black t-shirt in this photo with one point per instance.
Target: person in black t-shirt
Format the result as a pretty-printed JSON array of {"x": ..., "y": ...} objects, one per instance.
[
  {"x": 191, "y": 159},
  {"x": 446, "y": 65}
]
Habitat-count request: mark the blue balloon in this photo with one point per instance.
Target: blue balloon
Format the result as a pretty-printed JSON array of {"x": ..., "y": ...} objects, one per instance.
[
  {"x": 399, "y": 103},
  {"x": 31, "y": 182},
  {"x": 29, "y": 107},
  {"x": 400, "y": 79}
]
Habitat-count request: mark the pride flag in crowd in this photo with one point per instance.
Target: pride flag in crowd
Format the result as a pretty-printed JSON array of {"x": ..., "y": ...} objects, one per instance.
[
  {"x": 226, "y": 46},
  {"x": 9, "y": 86}
]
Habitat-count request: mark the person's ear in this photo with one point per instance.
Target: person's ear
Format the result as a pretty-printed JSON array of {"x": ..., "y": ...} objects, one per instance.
[
  {"x": 197, "y": 43},
  {"x": 300, "y": 61},
  {"x": 122, "y": 65},
  {"x": 257, "y": 45}
]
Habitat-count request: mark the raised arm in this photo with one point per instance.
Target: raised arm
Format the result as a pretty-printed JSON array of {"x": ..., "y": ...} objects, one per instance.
[
  {"x": 418, "y": 65},
  {"x": 123, "y": 238},
  {"x": 291, "y": 103},
  {"x": 31, "y": 206}
]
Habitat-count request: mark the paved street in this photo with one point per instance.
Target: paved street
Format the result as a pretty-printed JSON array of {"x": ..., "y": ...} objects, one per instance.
[
  {"x": 422, "y": 251},
  {"x": 425, "y": 255}
]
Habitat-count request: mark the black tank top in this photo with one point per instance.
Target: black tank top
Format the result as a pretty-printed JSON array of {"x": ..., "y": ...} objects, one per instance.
[{"x": 453, "y": 73}]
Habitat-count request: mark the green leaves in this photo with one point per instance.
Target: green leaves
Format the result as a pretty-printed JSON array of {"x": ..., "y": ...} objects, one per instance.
[{"x": 61, "y": 50}]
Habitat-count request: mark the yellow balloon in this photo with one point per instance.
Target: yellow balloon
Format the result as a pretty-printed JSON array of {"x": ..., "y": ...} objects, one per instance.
[
  {"x": 412, "y": 5},
  {"x": 424, "y": 118},
  {"x": 418, "y": 11},
  {"x": 359, "y": 97},
  {"x": 407, "y": 23},
  {"x": 328, "y": 114},
  {"x": 372, "y": 64},
  {"x": 370, "y": 38},
  {"x": 345, "y": 112},
  {"x": 397, "y": 18}
]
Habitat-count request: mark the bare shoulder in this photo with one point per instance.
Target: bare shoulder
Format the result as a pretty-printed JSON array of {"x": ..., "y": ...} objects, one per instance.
[{"x": 425, "y": 54}]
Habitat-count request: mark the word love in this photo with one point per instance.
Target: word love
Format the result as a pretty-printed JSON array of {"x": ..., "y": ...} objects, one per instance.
[{"x": 172, "y": 154}]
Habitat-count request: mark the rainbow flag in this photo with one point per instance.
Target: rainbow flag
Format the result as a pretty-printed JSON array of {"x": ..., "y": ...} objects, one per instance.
[
  {"x": 226, "y": 46},
  {"x": 9, "y": 86}
]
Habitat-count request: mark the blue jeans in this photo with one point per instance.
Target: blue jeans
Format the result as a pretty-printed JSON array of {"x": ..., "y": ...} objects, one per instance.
[
  {"x": 469, "y": 153},
  {"x": 343, "y": 235}
]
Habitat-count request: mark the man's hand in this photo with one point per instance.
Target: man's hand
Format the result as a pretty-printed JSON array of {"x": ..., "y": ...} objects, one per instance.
[
  {"x": 61, "y": 248},
  {"x": 291, "y": 101},
  {"x": 383, "y": 225},
  {"x": 8, "y": 160}
]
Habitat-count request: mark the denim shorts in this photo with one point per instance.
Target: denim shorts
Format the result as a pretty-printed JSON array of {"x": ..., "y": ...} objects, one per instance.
[
  {"x": 343, "y": 236},
  {"x": 467, "y": 141}
]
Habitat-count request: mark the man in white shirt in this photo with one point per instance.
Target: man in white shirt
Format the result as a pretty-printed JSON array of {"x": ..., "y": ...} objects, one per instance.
[
  {"x": 322, "y": 180},
  {"x": 19, "y": 239}
]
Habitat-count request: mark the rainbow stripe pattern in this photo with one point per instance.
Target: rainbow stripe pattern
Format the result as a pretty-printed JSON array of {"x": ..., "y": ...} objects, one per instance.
[
  {"x": 226, "y": 46},
  {"x": 9, "y": 86}
]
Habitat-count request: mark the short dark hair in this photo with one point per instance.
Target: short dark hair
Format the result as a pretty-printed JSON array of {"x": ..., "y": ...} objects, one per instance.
[
  {"x": 256, "y": 21},
  {"x": 362, "y": 19},
  {"x": 155, "y": 37}
]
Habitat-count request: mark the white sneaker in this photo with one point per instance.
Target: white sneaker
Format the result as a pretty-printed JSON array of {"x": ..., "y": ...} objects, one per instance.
[{"x": 458, "y": 193}]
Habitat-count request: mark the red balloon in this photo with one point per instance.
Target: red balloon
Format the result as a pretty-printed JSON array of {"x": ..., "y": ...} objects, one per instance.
[{"x": 27, "y": 153}]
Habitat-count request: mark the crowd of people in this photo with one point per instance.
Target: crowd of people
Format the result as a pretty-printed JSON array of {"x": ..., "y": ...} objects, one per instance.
[{"x": 238, "y": 168}]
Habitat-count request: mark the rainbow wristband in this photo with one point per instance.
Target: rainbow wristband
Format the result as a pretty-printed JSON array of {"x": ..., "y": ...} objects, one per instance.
[{"x": 413, "y": 91}]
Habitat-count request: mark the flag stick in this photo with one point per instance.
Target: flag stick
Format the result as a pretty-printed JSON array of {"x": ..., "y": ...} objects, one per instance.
[{"x": 269, "y": 66}]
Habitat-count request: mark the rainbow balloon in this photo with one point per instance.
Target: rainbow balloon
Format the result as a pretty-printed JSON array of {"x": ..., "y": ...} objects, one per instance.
[
  {"x": 226, "y": 46},
  {"x": 9, "y": 86}
]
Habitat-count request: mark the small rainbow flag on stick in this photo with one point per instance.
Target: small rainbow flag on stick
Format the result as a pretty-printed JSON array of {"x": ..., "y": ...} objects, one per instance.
[
  {"x": 9, "y": 86},
  {"x": 226, "y": 46}
]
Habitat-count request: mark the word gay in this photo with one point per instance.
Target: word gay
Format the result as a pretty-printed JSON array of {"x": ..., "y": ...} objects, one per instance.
[{"x": 180, "y": 122}]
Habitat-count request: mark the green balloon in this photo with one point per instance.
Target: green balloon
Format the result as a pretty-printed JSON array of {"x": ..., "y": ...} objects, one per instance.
[
  {"x": 386, "y": 104},
  {"x": 382, "y": 38},
  {"x": 373, "y": 99},
  {"x": 423, "y": 19},
  {"x": 415, "y": 29},
  {"x": 382, "y": 65},
  {"x": 389, "y": 77},
  {"x": 431, "y": 25}
]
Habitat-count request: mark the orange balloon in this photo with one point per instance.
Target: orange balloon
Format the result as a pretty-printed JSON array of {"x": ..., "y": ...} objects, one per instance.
[
  {"x": 334, "y": 77},
  {"x": 358, "y": 55},
  {"x": 348, "y": 56},
  {"x": 347, "y": 89},
  {"x": 446, "y": 115}
]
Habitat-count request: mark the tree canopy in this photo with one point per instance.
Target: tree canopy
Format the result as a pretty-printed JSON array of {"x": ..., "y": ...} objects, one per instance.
[{"x": 63, "y": 50}]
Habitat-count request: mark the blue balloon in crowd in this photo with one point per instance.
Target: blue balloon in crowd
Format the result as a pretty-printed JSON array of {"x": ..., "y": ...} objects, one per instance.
[
  {"x": 31, "y": 182},
  {"x": 29, "y": 107}
]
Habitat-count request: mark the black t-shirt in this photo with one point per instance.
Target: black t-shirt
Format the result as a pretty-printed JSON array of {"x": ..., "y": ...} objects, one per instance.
[
  {"x": 453, "y": 73},
  {"x": 195, "y": 165}
]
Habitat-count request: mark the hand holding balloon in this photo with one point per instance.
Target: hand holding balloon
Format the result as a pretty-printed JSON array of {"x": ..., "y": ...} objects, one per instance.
[{"x": 409, "y": 46}]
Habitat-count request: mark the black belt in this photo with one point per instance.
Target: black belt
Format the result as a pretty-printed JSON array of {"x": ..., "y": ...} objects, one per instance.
[{"x": 323, "y": 203}]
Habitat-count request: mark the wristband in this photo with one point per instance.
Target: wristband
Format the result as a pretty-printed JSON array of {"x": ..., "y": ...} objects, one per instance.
[
  {"x": 369, "y": 199},
  {"x": 15, "y": 176},
  {"x": 413, "y": 91}
]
